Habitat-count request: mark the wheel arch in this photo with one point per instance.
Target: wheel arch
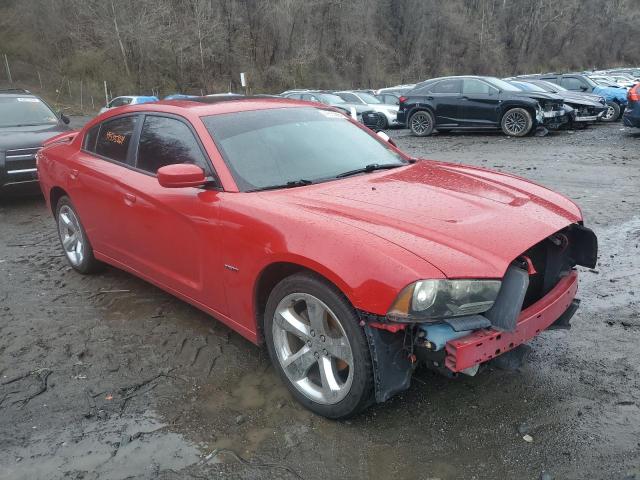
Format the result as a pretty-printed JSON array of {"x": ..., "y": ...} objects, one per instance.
[
  {"x": 55, "y": 194},
  {"x": 529, "y": 108},
  {"x": 277, "y": 271},
  {"x": 421, "y": 108}
]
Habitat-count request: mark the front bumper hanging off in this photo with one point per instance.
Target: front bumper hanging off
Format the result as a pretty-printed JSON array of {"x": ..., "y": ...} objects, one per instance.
[{"x": 483, "y": 345}]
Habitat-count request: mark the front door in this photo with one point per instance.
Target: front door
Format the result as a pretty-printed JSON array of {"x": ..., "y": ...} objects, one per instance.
[
  {"x": 480, "y": 104},
  {"x": 174, "y": 232}
]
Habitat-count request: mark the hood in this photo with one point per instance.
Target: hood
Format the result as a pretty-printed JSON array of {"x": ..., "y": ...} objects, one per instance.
[
  {"x": 465, "y": 221},
  {"x": 610, "y": 93},
  {"x": 538, "y": 95},
  {"x": 27, "y": 137},
  {"x": 586, "y": 98}
]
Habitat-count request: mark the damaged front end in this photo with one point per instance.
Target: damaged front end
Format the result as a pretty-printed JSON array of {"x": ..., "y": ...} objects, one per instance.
[{"x": 466, "y": 329}]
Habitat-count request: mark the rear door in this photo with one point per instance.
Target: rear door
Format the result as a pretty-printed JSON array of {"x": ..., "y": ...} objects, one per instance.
[
  {"x": 173, "y": 233},
  {"x": 96, "y": 182},
  {"x": 479, "y": 105},
  {"x": 446, "y": 97}
]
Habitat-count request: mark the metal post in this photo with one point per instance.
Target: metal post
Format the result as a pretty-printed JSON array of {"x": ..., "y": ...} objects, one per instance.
[
  {"x": 81, "y": 95},
  {"x": 6, "y": 62},
  {"x": 106, "y": 94}
]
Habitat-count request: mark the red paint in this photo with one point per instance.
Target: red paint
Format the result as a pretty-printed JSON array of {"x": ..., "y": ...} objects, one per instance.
[
  {"x": 181, "y": 175},
  {"x": 390, "y": 327},
  {"x": 483, "y": 345},
  {"x": 370, "y": 235}
]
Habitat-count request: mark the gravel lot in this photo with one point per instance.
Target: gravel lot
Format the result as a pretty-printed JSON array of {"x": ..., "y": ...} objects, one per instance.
[{"x": 107, "y": 377}]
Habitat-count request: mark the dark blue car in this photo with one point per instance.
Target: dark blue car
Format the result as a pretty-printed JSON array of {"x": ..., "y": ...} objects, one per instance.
[{"x": 631, "y": 116}]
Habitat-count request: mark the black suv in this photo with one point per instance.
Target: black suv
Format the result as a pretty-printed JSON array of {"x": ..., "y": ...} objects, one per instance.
[
  {"x": 26, "y": 122},
  {"x": 478, "y": 103}
]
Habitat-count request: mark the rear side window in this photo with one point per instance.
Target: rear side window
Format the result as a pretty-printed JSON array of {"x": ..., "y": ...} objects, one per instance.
[
  {"x": 115, "y": 136},
  {"x": 447, "y": 86},
  {"x": 167, "y": 141}
]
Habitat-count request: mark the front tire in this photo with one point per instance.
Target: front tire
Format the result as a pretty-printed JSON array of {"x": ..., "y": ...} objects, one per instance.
[
  {"x": 516, "y": 122},
  {"x": 421, "y": 123},
  {"x": 73, "y": 238},
  {"x": 318, "y": 347},
  {"x": 612, "y": 113}
]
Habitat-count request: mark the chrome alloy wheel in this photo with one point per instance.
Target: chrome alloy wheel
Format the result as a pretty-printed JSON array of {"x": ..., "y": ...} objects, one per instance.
[
  {"x": 515, "y": 122},
  {"x": 313, "y": 348},
  {"x": 609, "y": 113},
  {"x": 71, "y": 235},
  {"x": 420, "y": 123}
]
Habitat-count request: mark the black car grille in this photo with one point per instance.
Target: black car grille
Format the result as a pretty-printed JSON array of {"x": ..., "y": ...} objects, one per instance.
[
  {"x": 18, "y": 160},
  {"x": 372, "y": 119}
]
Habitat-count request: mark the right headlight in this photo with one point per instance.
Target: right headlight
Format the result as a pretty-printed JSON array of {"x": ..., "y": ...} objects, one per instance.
[{"x": 431, "y": 300}]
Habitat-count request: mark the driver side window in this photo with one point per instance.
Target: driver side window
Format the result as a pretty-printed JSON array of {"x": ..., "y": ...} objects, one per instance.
[{"x": 167, "y": 141}]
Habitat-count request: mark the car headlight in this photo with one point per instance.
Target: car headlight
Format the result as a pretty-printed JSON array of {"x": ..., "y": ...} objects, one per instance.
[{"x": 430, "y": 300}]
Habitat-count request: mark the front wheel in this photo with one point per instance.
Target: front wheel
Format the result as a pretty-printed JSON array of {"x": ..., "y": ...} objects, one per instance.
[
  {"x": 517, "y": 122},
  {"x": 317, "y": 346},
  {"x": 421, "y": 123},
  {"x": 612, "y": 112}
]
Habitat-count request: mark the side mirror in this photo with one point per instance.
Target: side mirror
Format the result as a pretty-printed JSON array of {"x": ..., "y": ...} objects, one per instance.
[
  {"x": 181, "y": 175},
  {"x": 64, "y": 118},
  {"x": 385, "y": 137},
  {"x": 583, "y": 88}
]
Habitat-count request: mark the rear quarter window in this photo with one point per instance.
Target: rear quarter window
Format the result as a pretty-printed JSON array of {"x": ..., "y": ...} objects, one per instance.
[{"x": 115, "y": 137}]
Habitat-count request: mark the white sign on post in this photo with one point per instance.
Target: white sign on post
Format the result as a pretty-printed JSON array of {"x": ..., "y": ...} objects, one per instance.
[{"x": 243, "y": 80}]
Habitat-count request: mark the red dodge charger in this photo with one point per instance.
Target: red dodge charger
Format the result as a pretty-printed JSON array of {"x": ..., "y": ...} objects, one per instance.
[{"x": 302, "y": 229}]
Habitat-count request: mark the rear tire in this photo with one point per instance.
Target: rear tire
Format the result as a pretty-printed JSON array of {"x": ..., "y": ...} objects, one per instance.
[
  {"x": 612, "y": 113},
  {"x": 421, "y": 123},
  {"x": 516, "y": 122},
  {"x": 73, "y": 238},
  {"x": 317, "y": 346}
]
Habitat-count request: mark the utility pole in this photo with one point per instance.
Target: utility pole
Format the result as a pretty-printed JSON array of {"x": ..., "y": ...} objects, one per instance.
[
  {"x": 6, "y": 62},
  {"x": 106, "y": 94}
]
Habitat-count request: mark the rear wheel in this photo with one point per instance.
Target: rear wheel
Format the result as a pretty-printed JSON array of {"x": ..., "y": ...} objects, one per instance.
[
  {"x": 421, "y": 123},
  {"x": 612, "y": 113},
  {"x": 516, "y": 122},
  {"x": 317, "y": 346},
  {"x": 74, "y": 239}
]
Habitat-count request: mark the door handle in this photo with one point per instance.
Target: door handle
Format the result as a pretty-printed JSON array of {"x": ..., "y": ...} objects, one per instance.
[
  {"x": 129, "y": 198},
  {"x": 464, "y": 97},
  {"x": 73, "y": 174}
]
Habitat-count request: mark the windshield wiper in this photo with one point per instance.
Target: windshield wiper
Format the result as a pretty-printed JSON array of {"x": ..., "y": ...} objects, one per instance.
[
  {"x": 290, "y": 184},
  {"x": 369, "y": 168}
]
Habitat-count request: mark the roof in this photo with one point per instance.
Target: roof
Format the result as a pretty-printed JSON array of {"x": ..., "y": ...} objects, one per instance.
[
  {"x": 203, "y": 106},
  {"x": 18, "y": 92}
]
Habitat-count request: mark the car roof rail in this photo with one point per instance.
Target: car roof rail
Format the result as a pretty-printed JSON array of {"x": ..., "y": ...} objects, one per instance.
[{"x": 15, "y": 90}]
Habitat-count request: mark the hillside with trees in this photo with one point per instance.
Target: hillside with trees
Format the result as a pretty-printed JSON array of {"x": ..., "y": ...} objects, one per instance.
[{"x": 201, "y": 46}]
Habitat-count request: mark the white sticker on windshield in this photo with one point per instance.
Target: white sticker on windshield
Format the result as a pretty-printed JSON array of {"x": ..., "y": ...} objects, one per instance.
[
  {"x": 330, "y": 114},
  {"x": 28, "y": 99}
]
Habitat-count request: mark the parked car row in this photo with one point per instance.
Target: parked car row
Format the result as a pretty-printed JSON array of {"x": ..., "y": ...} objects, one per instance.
[{"x": 516, "y": 105}]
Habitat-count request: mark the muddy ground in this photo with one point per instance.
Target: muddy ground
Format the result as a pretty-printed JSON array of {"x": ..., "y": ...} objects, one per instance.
[{"x": 107, "y": 377}]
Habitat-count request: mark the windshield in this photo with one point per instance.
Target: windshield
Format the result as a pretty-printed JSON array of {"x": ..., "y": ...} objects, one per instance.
[
  {"x": 368, "y": 98},
  {"x": 502, "y": 85},
  {"x": 331, "y": 99},
  {"x": 268, "y": 148},
  {"x": 529, "y": 87},
  {"x": 25, "y": 111}
]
